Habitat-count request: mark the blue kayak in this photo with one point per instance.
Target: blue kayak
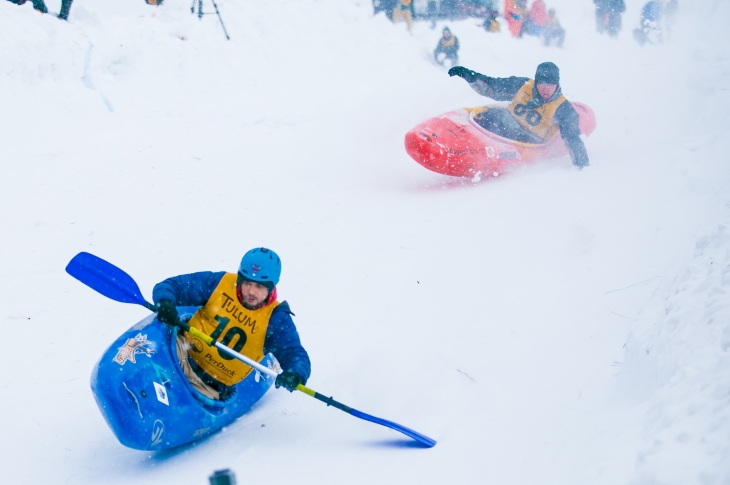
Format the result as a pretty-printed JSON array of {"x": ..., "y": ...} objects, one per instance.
[{"x": 149, "y": 403}]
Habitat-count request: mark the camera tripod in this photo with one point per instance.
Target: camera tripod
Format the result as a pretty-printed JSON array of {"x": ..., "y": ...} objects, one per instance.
[{"x": 201, "y": 13}]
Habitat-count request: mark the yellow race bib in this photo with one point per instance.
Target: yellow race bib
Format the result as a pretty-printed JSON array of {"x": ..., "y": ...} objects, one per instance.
[
  {"x": 230, "y": 323},
  {"x": 538, "y": 121}
]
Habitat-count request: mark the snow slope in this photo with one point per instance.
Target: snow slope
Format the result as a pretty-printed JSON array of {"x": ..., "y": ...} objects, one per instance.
[{"x": 554, "y": 326}]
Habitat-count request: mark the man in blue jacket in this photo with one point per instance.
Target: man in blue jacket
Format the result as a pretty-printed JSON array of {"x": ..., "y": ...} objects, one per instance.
[
  {"x": 537, "y": 109},
  {"x": 240, "y": 311}
]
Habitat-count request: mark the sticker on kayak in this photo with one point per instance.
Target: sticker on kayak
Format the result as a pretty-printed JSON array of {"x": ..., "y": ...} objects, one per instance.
[
  {"x": 490, "y": 152},
  {"x": 161, "y": 393},
  {"x": 158, "y": 431},
  {"x": 134, "y": 346}
]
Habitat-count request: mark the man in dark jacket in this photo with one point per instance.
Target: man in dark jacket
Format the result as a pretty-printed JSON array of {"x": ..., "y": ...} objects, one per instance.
[
  {"x": 537, "y": 108},
  {"x": 240, "y": 311},
  {"x": 41, "y": 7},
  {"x": 448, "y": 46},
  {"x": 608, "y": 16}
]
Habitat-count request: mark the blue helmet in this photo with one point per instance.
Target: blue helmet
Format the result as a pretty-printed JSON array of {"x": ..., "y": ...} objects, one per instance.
[{"x": 262, "y": 266}]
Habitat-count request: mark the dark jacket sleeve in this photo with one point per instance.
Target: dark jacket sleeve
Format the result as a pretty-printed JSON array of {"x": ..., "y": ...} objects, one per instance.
[
  {"x": 498, "y": 88},
  {"x": 188, "y": 289},
  {"x": 282, "y": 340},
  {"x": 567, "y": 119}
]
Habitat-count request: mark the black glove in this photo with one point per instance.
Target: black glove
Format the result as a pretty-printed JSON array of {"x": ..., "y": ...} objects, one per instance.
[
  {"x": 166, "y": 312},
  {"x": 467, "y": 74},
  {"x": 289, "y": 380}
]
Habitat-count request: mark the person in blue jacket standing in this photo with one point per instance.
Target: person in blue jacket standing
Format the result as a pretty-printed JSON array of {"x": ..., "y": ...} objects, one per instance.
[{"x": 241, "y": 311}]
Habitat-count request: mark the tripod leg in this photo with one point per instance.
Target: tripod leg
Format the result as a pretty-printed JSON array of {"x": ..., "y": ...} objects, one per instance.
[
  {"x": 192, "y": 7},
  {"x": 221, "y": 19},
  {"x": 200, "y": 9}
]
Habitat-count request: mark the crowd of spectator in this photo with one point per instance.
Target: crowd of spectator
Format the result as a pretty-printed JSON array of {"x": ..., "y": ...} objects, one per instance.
[{"x": 535, "y": 19}]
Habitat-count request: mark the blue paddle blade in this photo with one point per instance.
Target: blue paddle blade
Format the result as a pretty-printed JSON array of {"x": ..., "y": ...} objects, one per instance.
[
  {"x": 105, "y": 278},
  {"x": 424, "y": 440}
]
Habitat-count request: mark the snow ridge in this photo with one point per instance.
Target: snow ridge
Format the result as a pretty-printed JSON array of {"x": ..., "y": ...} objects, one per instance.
[{"x": 679, "y": 358}]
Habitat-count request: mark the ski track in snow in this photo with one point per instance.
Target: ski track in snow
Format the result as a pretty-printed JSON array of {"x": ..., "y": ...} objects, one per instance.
[
  {"x": 552, "y": 326},
  {"x": 86, "y": 78}
]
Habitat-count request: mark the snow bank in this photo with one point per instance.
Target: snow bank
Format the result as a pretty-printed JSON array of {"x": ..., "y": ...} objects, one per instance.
[
  {"x": 678, "y": 360},
  {"x": 676, "y": 366}
]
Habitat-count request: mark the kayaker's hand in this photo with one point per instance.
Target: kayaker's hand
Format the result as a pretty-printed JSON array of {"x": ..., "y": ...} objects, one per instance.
[
  {"x": 581, "y": 162},
  {"x": 577, "y": 151},
  {"x": 467, "y": 74},
  {"x": 289, "y": 380},
  {"x": 166, "y": 312}
]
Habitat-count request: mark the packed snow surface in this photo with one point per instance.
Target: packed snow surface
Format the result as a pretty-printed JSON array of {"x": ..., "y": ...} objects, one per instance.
[{"x": 553, "y": 326}]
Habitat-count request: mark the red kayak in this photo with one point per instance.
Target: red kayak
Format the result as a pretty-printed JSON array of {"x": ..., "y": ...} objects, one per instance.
[{"x": 457, "y": 143}]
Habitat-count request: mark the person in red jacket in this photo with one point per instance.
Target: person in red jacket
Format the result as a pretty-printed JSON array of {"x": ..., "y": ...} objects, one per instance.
[
  {"x": 536, "y": 19},
  {"x": 515, "y": 12}
]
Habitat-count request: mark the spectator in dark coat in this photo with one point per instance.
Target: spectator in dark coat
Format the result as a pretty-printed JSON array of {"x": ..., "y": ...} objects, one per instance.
[
  {"x": 608, "y": 16},
  {"x": 37, "y": 4},
  {"x": 386, "y": 6},
  {"x": 431, "y": 12},
  {"x": 448, "y": 8},
  {"x": 65, "y": 9}
]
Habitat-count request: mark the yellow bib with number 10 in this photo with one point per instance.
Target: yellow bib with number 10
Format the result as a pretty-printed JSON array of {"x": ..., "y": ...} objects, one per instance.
[{"x": 230, "y": 323}]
